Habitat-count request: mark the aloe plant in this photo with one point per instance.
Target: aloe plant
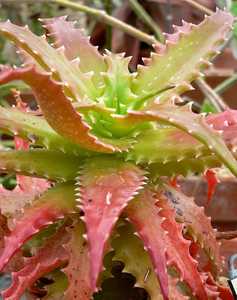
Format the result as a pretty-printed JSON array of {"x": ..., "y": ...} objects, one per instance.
[{"x": 107, "y": 146}]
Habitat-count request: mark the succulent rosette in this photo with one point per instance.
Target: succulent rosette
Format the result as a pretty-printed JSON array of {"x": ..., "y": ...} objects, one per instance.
[{"x": 107, "y": 145}]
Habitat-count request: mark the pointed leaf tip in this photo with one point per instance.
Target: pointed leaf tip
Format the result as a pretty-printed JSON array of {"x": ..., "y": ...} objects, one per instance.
[
  {"x": 184, "y": 55},
  {"x": 142, "y": 212},
  {"x": 107, "y": 185},
  {"x": 76, "y": 45}
]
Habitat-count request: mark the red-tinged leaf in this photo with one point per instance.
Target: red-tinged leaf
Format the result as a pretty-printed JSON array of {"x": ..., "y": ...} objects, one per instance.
[
  {"x": 144, "y": 214},
  {"x": 155, "y": 222},
  {"x": 225, "y": 122},
  {"x": 51, "y": 256},
  {"x": 174, "y": 182},
  {"x": 194, "y": 249},
  {"x": 56, "y": 106},
  {"x": 76, "y": 84},
  {"x": 198, "y": 224},
  {"x": 214, "y": 288},
  {"x": 21, "y": 144},
  {"x": 76, "y": 45},
  {"x": 53, "y": 205},
  {"x": 78, "y": 269},
  {"x": 107, "y": 185},
  {"x": 129, "y": 249},
  {"x": 178, "y": 251},
  {"x": 221, "y": 121},
  {"x": 212, "y": 181},
  {"x": 17, "y": 261}
]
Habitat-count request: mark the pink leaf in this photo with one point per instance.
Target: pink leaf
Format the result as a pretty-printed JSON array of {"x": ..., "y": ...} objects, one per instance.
[
  {"x": 78, "y": 269},
  {"x": 198, "y": 224},
  {"x": 51, "y": 256},
  {"x": 178, "y": 252},
  {"x": 76, "y": 45},
  {"x": 107, "y": 185},
  {"x": 53, "y": 205},
  {"x": 143, "y": 213},
  {"x": 162, "y": 236}
]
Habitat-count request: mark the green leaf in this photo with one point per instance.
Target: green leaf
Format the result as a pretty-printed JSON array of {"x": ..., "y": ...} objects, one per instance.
[
  {"x": 185, "y": 167},
  {"x": 37, "y": 130},
  {"x": 40, "y": 163},
  {"x": 165, "y": 144},
  {"x": 77, "y": 84},
  {"x": 194, "y": 124},
  {"x": 186, "y": 52},
  {"x": 129, "y": 249}
]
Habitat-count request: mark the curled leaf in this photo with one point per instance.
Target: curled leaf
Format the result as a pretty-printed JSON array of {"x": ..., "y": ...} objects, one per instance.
[
  {"x": 155, "y": 222},
  {"x": 178, "y": 251},
  {"x": 51, "y": 256},
  {"x": 51, "y": 206}
]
